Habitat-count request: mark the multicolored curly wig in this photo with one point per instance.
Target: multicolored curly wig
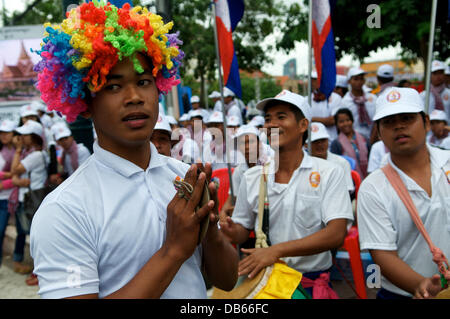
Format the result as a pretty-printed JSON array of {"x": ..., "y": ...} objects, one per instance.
[{"x": 78, "y": 54}]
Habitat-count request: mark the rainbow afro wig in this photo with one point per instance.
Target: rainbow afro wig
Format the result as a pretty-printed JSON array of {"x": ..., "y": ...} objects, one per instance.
[{"x": 78, "y": 54}]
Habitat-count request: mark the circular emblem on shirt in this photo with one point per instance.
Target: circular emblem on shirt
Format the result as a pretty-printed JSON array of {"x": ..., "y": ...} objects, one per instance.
[
  {"x": 370, "y": 99},
  {"x": 314, "y": 179},
  {"x": 446, "y": 97},
  {"x": 393, "y": 96}
]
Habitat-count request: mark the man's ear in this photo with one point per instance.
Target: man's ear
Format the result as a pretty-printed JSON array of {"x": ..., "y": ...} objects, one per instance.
[{"x": 427, "y": 123}]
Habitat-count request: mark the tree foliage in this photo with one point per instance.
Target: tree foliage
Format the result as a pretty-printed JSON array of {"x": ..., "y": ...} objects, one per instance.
[{"x": 402, "y": 21}]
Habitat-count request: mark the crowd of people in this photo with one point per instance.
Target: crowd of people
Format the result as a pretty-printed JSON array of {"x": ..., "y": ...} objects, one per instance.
[{"x": 125, "y": 221}]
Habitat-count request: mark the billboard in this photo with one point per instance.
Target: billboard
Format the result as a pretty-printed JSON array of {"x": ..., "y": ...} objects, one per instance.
[{"x": 17, "y": 78}]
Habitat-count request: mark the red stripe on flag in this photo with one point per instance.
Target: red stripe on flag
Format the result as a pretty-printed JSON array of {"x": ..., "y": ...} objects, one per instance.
[
  {"x": 226, "y": 48},
  {"x": 318, "y": 42}
]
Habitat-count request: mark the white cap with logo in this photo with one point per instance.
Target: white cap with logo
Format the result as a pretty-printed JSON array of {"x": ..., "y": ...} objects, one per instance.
[
  {"x": 31, "y": 127},
  {"x": 354, "y": 72},
  {"x": 396, "y": 101},
  {"x": 214, "y": 95},
  {"x": 184, "y": 117},
  {"x": 438, "y": 115},
  {"x": 292, "y": 98},
  {"x": 216, "y": 117},
  {"x": 246, "y": 130},
  {"x": 232, "y": 120},
  {"x": 341, "y": 81},
  {"x": 257, "y": 120},
  {"x": 28, "y": 110},
  {"x": 60, "y": 130},
  {"x": 7, "y": 126},
  {"x": 318, "y": 131},
  {"x": 385, "y": 71},
  {"x": 162, "y": 124},
  {"x": 437, "y": 65},
  {"x": 195, "y": 99}
]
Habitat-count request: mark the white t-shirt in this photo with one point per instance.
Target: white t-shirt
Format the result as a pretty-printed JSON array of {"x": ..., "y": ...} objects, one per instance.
[
  {"x": 83, "y": 154},
  {"x": 385, "y": 224},
  {"x": 4, "y": 193},
  {"x": 445, "y": 96},
  {"x": 327, "y": 108},
  {"x": 345, "y": 166},
  {"x": 376, "y": 156},
  {"x": 35, "y": 164},
  {"x": 347, "y": 101},
  {"x": 313, "y": 197},
  {"x": 234, "y": 110},
  {"x": 96, "y": 231}
]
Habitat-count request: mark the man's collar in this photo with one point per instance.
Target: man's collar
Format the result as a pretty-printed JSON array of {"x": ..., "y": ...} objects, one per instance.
[{"x": 123, "y": 166}]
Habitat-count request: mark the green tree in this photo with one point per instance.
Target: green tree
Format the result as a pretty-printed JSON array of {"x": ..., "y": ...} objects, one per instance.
[{"x": 402, "y": 21}]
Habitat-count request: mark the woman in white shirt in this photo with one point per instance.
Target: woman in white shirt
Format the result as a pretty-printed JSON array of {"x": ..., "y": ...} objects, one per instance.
[{"x": 30, "y": 161}]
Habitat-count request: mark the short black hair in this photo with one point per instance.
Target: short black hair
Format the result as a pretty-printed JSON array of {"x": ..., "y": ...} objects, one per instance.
[
  {"x": 294, "y": 109},
  {"x": 384, "y": 80}
]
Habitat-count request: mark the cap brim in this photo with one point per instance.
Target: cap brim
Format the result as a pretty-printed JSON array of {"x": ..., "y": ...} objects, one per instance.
[
  {"x": 397, "y": 109},
  {"x": 22, "y": 130},
  {"x": 319, "y": 137},
  {"x": 262, "y": 104}
]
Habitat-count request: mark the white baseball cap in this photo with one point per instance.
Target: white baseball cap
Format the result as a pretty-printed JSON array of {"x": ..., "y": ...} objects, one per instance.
[
  {"x": 162, "y": 124},
  {"x": 60, "y": 130},
  {"x": 246, "y": 130},
  {"x": 354, "y": 72},
  {"x": 292, "y": 98},
  {"x": 438, "y": 115},
  {"x": 257, "y": 120},
  {"x": 214, "y": 95},
  {"x": 385, "y": 71},
  {"x": 437, "y": 65},
  {"x": 7, "y": 126},
  {"x": 216, "y": 117},
  {"x": 171, "y": 119},
  {"x": 232, "y": 120},
  {"x": 31, "y": 127},
  {"x": 39, "y": 106},
  {"x": 195, "y": 99},
  {"x": 28, "y": 110},
  {"x": 396, "y": 101},
  {"x": 227, "y": 92},
  {"x": 195, "y": 113},
  {"x": 318, "y": 131},
  {"x": 341, "y": 81},
  {"x": 313, "y": 74},
  {"x": 184, "y": 117}
]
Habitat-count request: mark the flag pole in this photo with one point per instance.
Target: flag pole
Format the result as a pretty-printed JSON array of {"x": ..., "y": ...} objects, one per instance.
[
  {"x": 222, "y": 100},
  {"x": 430, "y": 56},
  {"x": 309, "y": 68}
]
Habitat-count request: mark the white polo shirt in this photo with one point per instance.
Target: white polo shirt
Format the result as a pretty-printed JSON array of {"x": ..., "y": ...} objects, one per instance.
[
  {"x": 377, "y": 156},
  {"x": 313, "y": 197},
  {"x": 96, "y": 231},
  {"x": 345, "y": 166},
  {"x": 35, "y": 165},
  {"x": 327, "y": 108},
  {"x": 385, "y": 224},
  {"x": 347, "y": 101},
  {"x": 83, "y": 154}
]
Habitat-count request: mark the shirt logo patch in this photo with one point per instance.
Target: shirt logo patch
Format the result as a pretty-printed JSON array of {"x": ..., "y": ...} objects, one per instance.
[
  {"x": 314, "y": 179},
  {"x": 393, "y": 96},
  {"x": 447, "y": 173},
  {"x": 446, "y": 97}
]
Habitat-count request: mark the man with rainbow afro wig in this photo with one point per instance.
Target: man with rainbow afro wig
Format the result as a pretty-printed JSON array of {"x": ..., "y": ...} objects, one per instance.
[{"x": 117, "y": 227}]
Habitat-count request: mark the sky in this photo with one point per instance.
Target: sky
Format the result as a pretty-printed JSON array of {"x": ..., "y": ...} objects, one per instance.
[{"x": 300, "y": 52}]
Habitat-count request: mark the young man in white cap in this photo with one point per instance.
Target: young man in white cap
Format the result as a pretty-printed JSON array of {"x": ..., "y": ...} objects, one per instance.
[
  {"x": 439, "y": 93},
  {"x": 361, "y": 104},
  {"x": 215, "y": 97},
  {"x": 126, "y": 223},
  {"x": 161, "y": 136},
  {"x": 439, "y": 128},
  {"x": 341, "y": 85},
  {"x": 214, "y": 148},
  {"x": 303, "y": 191},
  {"x": 195, "y": 102},
  {"x": 319, "y": 148},
  {"x": 385, "y": 78},
  {"x": 385, "y": 226},
  {"x": 323, "y": 109},
  {"x": 232, "y": 105},
  {"x": 73, "y": 154}
]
